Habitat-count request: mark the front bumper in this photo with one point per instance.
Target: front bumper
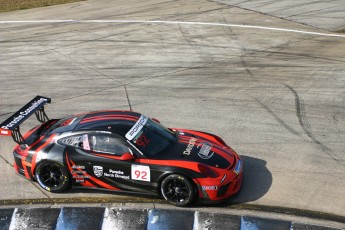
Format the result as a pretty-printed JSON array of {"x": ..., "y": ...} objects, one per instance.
[{"x": 221, "y": 191}]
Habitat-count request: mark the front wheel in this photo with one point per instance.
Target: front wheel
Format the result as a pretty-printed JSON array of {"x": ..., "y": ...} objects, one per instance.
[
  {"x": 178, "y": 190},
  {"x": 52, "y": 176}
]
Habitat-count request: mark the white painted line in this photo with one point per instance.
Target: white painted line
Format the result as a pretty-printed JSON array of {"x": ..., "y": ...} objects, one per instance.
[{"x": 177, "y": 22}]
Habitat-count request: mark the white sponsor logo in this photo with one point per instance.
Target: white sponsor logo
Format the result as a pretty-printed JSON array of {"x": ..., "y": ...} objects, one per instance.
[
  {"x": 137, "y": 127},
  {"x": 98, "y": 171},
  {"x": 24, "y": 113},
  {"x": 204, "y": 152},
  {"x": 190, "y": 146},
  {"x": 116, "y": 174},
  {"x": 212, "y": 187}
]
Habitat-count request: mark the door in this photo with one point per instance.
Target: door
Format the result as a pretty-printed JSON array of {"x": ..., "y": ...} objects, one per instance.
[{"x": 110, "y": 166}]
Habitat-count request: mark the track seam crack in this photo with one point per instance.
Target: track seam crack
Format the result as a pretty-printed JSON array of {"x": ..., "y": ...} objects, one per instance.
[
  {"x": 129, "y": 102},
  {"x": 7, "y": 162}
]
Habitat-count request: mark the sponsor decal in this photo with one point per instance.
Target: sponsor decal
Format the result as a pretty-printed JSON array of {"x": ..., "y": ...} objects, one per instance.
[
  {"x": 238, "y": 167},
  {"x": 211, "y": 187},
  {"x": 81, "y": 177},
  {"x": 78, "y": 172},
  {"x": 223, "y": 179},
  {"x": 78, "y": 167},
  {"x": 98, "y": 171},
  {"x": 205, "y": 151},
  {"x": 86, "y": 144},
  {"x": 190, "y": 146},
  {"x": 140, "y": 172},
  {"x": 24, "y": 113},
  {"x": 116, "y": 174},
  {"x": 137, "y": 127}
]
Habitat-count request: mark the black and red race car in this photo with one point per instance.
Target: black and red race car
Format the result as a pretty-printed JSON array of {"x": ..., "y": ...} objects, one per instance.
[{"x": 122, "y": 151}]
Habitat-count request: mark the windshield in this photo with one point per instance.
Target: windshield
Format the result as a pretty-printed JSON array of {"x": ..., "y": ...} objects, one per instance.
[{"x": 149, "y": 136}]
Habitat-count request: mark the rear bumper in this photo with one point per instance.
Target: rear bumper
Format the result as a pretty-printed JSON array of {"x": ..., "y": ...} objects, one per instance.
[{"x": 22, "y": 165}]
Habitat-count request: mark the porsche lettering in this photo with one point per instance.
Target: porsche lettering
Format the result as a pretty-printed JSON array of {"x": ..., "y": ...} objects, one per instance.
[{"x": 137, "y": 127}]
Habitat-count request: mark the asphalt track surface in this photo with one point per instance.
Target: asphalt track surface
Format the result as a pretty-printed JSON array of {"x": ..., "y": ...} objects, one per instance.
[
  {"x": 325, "y": 14},
  {"x": 273, "y": 89}
]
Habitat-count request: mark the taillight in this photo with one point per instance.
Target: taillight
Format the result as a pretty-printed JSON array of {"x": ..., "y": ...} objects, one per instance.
[{"x": 207, "y": 171}]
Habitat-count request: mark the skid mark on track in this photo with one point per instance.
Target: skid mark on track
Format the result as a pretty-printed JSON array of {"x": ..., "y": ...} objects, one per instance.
[
  {"x": 277, "y": 118},
  {"x": 303, "y": 121},
  {"x": 194, "y": 45}
]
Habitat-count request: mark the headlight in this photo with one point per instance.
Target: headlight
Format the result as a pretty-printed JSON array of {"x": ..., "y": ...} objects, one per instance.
[{"x": 207, "y": 171}]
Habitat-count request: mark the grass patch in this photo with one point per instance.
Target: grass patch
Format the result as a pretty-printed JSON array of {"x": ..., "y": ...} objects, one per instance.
[{"x": 11, "y": 5}]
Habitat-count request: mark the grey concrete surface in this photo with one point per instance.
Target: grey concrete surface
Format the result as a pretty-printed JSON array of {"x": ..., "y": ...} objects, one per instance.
[
  {"x": 276, "y": 97},
  {"x": 329, "y": 14}
]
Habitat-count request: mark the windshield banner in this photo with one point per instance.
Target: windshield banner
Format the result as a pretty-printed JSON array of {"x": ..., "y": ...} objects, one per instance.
[{"x": 137, "y": 127}]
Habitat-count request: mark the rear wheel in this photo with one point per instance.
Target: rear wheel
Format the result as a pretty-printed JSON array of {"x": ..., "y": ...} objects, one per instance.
[
  {"x": 52, "y": 176},
  {"x": 178, "y": 190}
]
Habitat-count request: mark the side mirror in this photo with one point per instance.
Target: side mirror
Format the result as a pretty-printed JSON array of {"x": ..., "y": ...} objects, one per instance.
[{"x": 127, "y": 157}]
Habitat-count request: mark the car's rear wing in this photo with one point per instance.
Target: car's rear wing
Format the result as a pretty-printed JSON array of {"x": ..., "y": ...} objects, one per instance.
[{"x": 10, "y": 127}]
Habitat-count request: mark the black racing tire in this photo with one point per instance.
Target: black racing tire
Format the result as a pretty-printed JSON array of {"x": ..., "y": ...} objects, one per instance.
[
  {"x": 52, "y": 176},
  {"x": 178, "y": 190}
]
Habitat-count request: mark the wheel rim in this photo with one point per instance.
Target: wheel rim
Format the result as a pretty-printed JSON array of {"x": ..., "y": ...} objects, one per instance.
[
  {"x": 51, "y": 176},
  {"x": 176, "y": 191}
]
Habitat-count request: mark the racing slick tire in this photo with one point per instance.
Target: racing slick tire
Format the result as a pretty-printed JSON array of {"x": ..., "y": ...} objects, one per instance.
[
  {"x": 178, "y": 190},
  {"x": 52, "y": 176}
]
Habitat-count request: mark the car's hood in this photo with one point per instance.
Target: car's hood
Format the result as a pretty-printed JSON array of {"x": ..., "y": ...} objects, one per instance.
[{"x": 203, "y": 148}]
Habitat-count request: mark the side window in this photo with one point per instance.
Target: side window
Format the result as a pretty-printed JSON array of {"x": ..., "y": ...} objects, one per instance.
[
  {"x": 73, "y": 141},
  {"x": 108, "y": 143}
]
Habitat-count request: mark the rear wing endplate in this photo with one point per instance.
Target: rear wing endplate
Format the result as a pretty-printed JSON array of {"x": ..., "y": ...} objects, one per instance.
[{"x": 10, "y": 127}]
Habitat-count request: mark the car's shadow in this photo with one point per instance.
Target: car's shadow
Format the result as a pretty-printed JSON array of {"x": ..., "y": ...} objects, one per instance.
[{"x": 256, "y": 183}]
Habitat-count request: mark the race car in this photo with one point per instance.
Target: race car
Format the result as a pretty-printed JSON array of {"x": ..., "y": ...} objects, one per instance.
[{"x": 122, "y": 151}]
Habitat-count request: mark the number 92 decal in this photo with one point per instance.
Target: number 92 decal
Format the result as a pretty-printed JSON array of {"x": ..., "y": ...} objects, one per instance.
[{"x": 140, "y": 172}]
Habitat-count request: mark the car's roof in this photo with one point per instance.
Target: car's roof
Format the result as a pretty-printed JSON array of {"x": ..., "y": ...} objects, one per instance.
[
  {"x": 110, "y": 120},
  {"x": 96, "y": 116},
  {"x": 113, "y": 120}
]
